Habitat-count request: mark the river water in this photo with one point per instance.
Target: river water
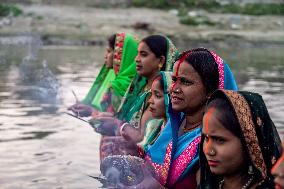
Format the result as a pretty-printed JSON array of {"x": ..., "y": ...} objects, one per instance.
[{"x": 42, "y": 147}]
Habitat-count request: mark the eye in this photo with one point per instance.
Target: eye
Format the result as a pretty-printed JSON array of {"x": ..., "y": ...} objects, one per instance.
[
  {"x": 174, "y": 79},
  {"x": 206, "y": 138},
  {"x": 185, "y": 81},
  {"x": 158, "y": 95},
  {"x": 219, "y": 140},
  {"x": 144, "y": 54}
]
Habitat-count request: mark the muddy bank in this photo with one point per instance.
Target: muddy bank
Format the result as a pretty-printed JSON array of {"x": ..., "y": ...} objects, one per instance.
[{"x": 68, "y": 25}]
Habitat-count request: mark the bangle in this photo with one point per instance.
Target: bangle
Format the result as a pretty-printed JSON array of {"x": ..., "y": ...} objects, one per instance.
[
  {"x": 122, "y": 127},
  {"x": 140, "y": 151}
]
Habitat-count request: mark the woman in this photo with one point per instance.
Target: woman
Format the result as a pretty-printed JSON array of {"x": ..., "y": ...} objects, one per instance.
[
  {"x": 155, "y": 53},
  {"x": 278, "y": 171},
  {"x": 114, "y": 78},
  {"x": 239, "y": 141},
  {"x": 158, "y": 104},
  {"x": 197, "y": 74},
  {"x": 174, "y": 155}
]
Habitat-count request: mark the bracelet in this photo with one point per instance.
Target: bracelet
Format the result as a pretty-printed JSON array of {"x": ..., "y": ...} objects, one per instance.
[
  {"x": 140, "y": 151},
  {"x": 122, "y": 127}
]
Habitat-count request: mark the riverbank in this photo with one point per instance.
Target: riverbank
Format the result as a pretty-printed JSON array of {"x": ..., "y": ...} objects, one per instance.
[{"x": 69, "y": 25}]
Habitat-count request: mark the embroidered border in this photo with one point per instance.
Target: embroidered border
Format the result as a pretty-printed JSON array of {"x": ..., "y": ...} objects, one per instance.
[
  {"x": 171, "y": 55},
  {"x": 180, "y": 164},
  {"x": 244, "y": 115},
  {"x": 162, "y": 170},
  {"x": 220, "y": 64},
  {"x": 118, "y": 50}
]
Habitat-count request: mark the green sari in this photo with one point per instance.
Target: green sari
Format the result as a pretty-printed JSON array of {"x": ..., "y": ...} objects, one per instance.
[
  {"x": 111, "y": 84},
  {"x": 135, "y": 100}
]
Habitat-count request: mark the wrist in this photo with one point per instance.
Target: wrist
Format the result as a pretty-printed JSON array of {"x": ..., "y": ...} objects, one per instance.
[{"x": 122, "y": 127}]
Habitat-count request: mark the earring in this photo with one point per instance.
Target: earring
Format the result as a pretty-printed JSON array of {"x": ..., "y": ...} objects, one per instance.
[
  {"x": 160, "y": 66},
  {"x": 250, "y": 170}
]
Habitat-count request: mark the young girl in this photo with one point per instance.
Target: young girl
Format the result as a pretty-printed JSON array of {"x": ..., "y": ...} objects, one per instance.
[{"x": 240, "y": 143}]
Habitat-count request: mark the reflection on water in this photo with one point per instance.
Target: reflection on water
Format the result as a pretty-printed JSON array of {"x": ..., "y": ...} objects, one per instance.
[{"x": 41, "y": 147}]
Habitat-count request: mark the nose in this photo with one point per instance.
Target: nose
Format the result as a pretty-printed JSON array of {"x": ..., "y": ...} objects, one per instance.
[
  {"x": 175, "y": 88},
  {"x": 208, "y": 149},
  {"x": 151, "y": 101},
  {"x": 137, "y": 58}
]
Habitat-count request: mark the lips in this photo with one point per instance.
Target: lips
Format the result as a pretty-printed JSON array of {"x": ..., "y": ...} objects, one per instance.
[
  {"x": 176, "y": 99},
  {"x": 151, "y": 109},
  {"x": 138, "y": 67},
  {"x": 213, "y": 163}
]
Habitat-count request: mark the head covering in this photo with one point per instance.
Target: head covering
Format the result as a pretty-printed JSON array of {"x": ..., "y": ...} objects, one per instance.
[
  {"x": 175, "y": 157},
  {"x": 111, "y": 84},
  {"x": 136, "y": 95},
  {"x": 259, "y": 135},
  {"x": 153, "y": 126}
]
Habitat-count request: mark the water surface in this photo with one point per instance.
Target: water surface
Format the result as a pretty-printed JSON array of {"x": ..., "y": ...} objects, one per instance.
[{"x": 41, "y": 147}]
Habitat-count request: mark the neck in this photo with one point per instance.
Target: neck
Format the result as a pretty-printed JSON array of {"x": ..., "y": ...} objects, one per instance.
[
  {"x": 151, "y": 78},
  {"x": 236, "y": 181},
  {"x": 194, "y": 119}
]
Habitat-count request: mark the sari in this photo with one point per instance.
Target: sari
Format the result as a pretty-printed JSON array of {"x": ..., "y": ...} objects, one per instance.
[
  {"x": 260, "y": 137},
  {"x": 135, "y": 100},
  {"x": 155, "y": 126},
  {"x": 175, "y": 158},
  {"x": 111, "y": 84}
]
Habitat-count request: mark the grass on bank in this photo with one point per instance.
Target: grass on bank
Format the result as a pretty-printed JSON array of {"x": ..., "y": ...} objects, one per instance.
[
  {"x": 213, "y": 6},
  {"x": 9, "y": 10}
]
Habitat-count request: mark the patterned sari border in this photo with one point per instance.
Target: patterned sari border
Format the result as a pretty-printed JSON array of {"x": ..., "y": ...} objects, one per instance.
[{"x": 244, "y": 115}]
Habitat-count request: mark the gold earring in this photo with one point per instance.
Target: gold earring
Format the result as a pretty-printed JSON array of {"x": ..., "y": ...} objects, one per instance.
[{"x": 160, "y": 66}]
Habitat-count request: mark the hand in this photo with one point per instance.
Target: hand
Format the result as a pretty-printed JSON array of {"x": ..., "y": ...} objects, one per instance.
[
  {"x": 106, "y": 125},
  {"x": 82, "y": 110},
  {"x": 117, "y": 145},
  {"x": 97, "y": 114},
  {"x": 131, "y": 134}
]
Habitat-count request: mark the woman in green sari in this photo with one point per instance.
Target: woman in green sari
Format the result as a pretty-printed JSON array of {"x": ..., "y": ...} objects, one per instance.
[
  {"x": 155, "y": 53},
  {"x": 114, "y": 78}
]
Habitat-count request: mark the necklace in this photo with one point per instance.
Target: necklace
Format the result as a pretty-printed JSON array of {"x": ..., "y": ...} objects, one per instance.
[
  {"x": 191, "y": 128},
  {"x": 245, "y": 186}
]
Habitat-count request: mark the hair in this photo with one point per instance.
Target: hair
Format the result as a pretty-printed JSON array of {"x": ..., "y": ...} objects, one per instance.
[
  {"x": 205, "y": 65},
  {"x": 111, "y": 41},
  {"x": 227, "y": 117},
  {"x": 158, "y": 45}
]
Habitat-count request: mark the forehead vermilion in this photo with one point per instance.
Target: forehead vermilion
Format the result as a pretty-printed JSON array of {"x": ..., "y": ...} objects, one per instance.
[{"x": 177, "y": 66}]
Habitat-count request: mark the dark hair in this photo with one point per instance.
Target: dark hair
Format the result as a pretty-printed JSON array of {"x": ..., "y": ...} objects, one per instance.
[
  {"x": 111, "y": 41},
  {"x": 204, "y": 63},
  {"x": 158, "y": 45},
  {"x": 227, "y": 117}
]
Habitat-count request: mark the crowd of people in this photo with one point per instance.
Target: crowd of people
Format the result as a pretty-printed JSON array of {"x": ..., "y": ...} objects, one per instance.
[{"x": 182, "y": 116}]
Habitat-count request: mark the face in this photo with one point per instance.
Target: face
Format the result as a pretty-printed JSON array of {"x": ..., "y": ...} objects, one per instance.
[
  {"x": 109, "y": 57},
  {"x": 147, "y": 64},
  {"x": 157, "y": 103},
  {"x": 278, "y": 171},
  {"x": 223, "y": 150},
  {"x": 188, "y": 93}
]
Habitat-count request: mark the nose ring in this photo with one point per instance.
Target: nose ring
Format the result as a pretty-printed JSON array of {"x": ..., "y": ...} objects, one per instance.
[{"x": 177, "y": 90}]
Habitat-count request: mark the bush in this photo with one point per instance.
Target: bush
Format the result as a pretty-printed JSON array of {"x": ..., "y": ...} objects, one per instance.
[{"x": 12, "y": 10}]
